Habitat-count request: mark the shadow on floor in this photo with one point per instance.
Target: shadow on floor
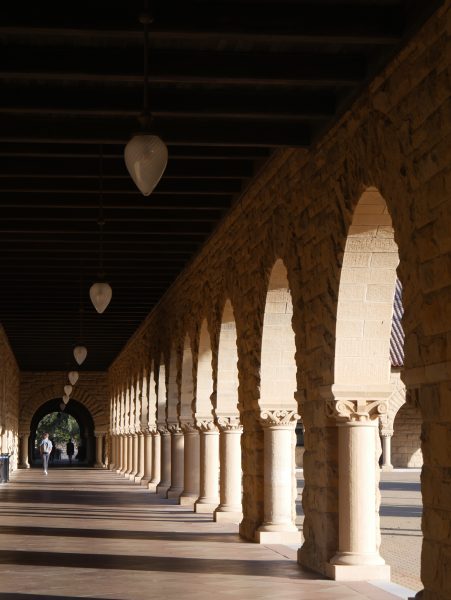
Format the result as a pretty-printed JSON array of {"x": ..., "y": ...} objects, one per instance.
[
  {"x": 17, "y": 596},
  {"x": 195, "y": 536},
  {"x": 400, "y": 486},
  {"x": 402, "y": 510},
  {"x": 281, "y": 568}
]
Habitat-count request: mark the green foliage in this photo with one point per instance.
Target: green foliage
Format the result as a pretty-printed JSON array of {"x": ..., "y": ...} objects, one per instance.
[{"x": 60, "y": 426}]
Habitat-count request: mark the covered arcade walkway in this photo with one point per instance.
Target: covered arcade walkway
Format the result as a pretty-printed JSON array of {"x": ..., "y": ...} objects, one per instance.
[{"x": 93, "y": 534}]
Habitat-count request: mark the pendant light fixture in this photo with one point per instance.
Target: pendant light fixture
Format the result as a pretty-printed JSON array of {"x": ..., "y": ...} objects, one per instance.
[
  {"x": 80, "y": 351},
  {"x": 62, "y": 406},
  {"x": 68, "y": 390},
  {"x": 73, "y": 377},
  {"x": 66, "y": 399},
  {"x": 101, "y": 292},
  {"x": 146, "y": 155},
  {"x": 80, "y": 354}
]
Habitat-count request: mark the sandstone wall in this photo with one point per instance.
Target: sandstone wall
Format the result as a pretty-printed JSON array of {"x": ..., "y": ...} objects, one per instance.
[
  {"x": 91, "y": 390},
  {"x": 397, "y": 139},
  {"x": 406, "y": 451},
  {"x": 9, "y": 401}
]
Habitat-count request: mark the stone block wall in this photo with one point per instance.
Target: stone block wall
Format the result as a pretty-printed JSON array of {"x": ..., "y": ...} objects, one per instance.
[
  {"x": 406, "y": 450},
  {"x": 396, "y": 139},
  {"x": 9, "y": 401}
]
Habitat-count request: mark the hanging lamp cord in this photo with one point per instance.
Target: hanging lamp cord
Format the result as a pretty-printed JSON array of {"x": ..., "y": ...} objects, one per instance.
[
  {"x": 101, "y": 220},
  {"x": 146, "y": 19}
]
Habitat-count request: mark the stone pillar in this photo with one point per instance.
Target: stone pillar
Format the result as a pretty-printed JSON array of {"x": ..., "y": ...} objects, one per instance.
[
  {"x": 147, "y": 458},
  {"x": 209, "y": 467},
  {"x": 358, "y": 555},
  {"x": 191, "y": 465},
  {"x": 230, "y": 507},
  {"x": 24, "y": 443},
  {"x": 156, "y": 461},
  {"x": 126, "y": 458},
  {"x": 140, "y": 457},
  {"x": 386, "y": 450},
  {"x": 135, "y": 456},
  {"x": 129, "y": 470},
  {"x": 177, "y": 467},
  {"x": 165, "y": 481},
  {"x": 112, "y": 463},
  {"x": 90, "y": 451},
  {"x": 278, "y": 526},
  {"x": 120, "y": 466},
  {"x": 99, "y": 450}
]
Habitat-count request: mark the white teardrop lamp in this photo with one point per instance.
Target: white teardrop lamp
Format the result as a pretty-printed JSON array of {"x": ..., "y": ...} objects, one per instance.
[
  {"x": 100, "y": 294},
  {"x": 68, "y": 390},
  {"x": 66, "y": 399},
  {"x": 146, "y": 155},
  {"x": 80, "y": 354},
  {"x": 62, "y": 406},
  {"x": 73, "y": 377}
]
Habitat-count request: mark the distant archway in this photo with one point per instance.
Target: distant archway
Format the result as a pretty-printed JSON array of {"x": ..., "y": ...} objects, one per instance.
[{"x": 80, "y": 414}]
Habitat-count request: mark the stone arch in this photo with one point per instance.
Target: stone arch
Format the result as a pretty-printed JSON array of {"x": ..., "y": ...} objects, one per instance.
[
  {"x": 187, "y": 400},
  {"x": 77, "y": 410},
  {"x": 278, "y": 364},
  {"x": 365, "y": 297},
  {"x": 204, "y": 387},
  {"x": 406, "y": 447},
  {"x": 227, "y": 373},
  {"x": 90, "y": 391}
]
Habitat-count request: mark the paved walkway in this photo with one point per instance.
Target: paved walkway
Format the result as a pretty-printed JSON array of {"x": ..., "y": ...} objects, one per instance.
[{"x": 92, "y": 534}]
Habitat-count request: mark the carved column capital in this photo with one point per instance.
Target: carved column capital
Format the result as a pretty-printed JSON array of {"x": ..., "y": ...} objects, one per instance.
[
  {"x": 163, "y": 430},
  {"x": 279, "y": 417},
  {"x": 189, "y": 428},
  {"x": 206, "y": 426},
  {"x": 360, "y": 410},
  {"x": 174, "y": 428},
  {"x": 229, "y": 424}
]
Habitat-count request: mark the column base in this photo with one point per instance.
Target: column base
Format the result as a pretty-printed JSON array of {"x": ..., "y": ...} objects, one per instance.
[
  {"x": 229, "y": 516},
  {"x": 144, "y": 481},
  {"x": 187, "y": 500},
  {"x": 174, "y": 493},
  {"x": 27, "y": 466},
  {"x": 162, "y": 490},
  {"x": 132, "y": 476},
  {"x": 279, "y": 537},
  {"x": 205, "y": 507},
  {"x": 99, "y": 466},
  {"x": 138, "y": 478},
  {"x": 152, "y": 486},
  {"x": 387, "y": 468},
  {"x": 358, "y": 572}
]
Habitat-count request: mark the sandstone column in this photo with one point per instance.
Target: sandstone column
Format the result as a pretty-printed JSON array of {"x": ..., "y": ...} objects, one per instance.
[
  {"x": 230, "y": 508},
  {"x": 24, "y": 440},
  {"x": 278, "y": 526},
  {"x": 112, "y": 464},
  {"x": 122, "y": 444},
  {"x": 147, "y": 458},
  {"x": 135, "y": 456},
  {"x": 156, "y": 460},
  {"x": 129, "y": 454},
  {"x": 358, "y": 555},
  {"x": 177, "y": 467},
  {"x": 141, "y": 457},
  {"x": 209, "y": 467},
  {"x": 386, "y": 450},
  {"x": 165, "y": 481},
  {"x": 99, "y": 450},
  {"x": 191, "y": 465}
]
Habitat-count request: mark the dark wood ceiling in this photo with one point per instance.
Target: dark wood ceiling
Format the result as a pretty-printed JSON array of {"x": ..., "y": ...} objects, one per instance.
[{"x": 229, "y": 82}]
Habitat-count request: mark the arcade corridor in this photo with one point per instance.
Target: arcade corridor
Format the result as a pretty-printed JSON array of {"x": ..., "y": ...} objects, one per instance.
[{"x": 91, "y": 533}]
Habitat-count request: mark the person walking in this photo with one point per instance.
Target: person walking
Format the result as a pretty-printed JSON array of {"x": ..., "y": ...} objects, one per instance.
[
  {"x": 70, "y": 449},
  {"x": 45, "y": 449}
]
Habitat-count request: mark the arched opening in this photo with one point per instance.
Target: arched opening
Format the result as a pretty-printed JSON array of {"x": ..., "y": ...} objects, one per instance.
[
  {"x": 84, "y": 420},
  {"x": 228, "y": 420},
  {"x": 62, "y": 429},
  {"x": 278, "y": 412},
  {"x": 406, "y": 446},
  {"x": 368, "y": 390}
]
